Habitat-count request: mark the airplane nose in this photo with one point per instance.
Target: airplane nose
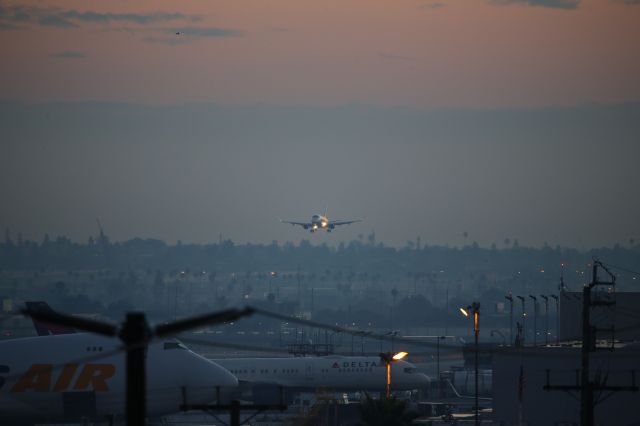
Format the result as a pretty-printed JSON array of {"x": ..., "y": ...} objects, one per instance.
[
  {"x": 223, "y": 377},
  {"x": 209, "y": 373},
  {"x": 424, "y": 379}
]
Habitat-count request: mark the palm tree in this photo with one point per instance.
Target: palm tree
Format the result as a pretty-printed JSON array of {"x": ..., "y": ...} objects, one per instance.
[{"x": 384, "y": 412}]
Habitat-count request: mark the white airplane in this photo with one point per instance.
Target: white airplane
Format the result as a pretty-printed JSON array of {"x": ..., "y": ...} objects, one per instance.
[
  {"x": 321, "y": 222},
  {"x": 43, "y": 378},
  {"x": 333, "y": 372}
]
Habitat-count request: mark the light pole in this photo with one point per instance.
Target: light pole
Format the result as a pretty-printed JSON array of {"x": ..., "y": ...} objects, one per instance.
[
  {"x": 474, "y": 309},
  {"x": 557, "y": 299},
  {"x": 509, "y": 297},
  {"x": 546, "y": 319},
  {"x": 388, "y": 358},
  {"x": 524, "y": 317},
  {"x": 535, "y": 319},
  {"x": 438, "y": 357}
]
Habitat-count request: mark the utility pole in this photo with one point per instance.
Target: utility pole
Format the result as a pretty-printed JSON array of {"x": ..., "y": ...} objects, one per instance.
[
  {"x": 557, "y": 300},
  {"x": 586, "y": 386}
]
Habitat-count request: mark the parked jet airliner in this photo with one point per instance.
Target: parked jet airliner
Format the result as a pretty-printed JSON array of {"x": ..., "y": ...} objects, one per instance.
[
  {"x": 334, "y": 372},
  {"x": 41, "y": 378},
  {"x": 321, "y": 222}
]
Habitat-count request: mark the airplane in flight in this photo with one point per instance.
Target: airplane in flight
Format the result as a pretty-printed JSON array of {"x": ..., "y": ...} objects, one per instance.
[
  {"x": 68, "y": 376},
  {"x": 358, "y": 373},
  {"x": 321, "y": 222}
]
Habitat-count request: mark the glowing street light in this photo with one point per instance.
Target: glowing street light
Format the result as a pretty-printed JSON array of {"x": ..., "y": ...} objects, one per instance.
[
  {"x": 389, "y": 358},
  {"x": 464, "y": 312},
  {"x": 398, "y": 356}
]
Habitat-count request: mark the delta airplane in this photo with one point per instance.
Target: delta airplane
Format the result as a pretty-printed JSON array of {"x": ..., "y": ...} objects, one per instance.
[
  {"x": 333, "y": 372},
  {"x": 63, "y": 377},
  {"x": 321, "y": 222}
]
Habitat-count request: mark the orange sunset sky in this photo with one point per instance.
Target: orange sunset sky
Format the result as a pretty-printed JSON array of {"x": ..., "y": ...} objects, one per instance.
[
  {"x": 185, "y": 120},
  {"x": 444, "y": 53}
]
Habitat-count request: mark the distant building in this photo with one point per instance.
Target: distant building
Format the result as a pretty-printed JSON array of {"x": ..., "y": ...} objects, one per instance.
[{"x": 519, "y": 376}]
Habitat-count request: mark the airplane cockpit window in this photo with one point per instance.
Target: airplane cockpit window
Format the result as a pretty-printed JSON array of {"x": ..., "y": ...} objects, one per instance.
[{"x": 174, "y": 345}]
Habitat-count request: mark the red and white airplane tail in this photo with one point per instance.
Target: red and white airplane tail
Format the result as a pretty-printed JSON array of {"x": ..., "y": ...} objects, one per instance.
[{"x": 45, "y": 328}]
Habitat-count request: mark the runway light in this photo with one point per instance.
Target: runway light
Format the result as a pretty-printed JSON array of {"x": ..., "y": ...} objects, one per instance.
[
  {"x": 464, "y": 312},
  {"x": 399, "y": 356}
]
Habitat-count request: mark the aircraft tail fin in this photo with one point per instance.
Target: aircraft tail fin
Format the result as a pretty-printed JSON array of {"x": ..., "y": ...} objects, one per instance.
[{"x": 45, "y": 328}]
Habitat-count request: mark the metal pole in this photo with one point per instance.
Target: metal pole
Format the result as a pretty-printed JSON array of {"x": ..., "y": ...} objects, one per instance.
[
  {"x": 235, "y": 413},
  {"x": 546, "y": 319},
  {"x": 535, "y": 319},
  {"x": 586, "y": 395},
  {"x": 388, "y": 379},
  {"x": 524, "y": 317},
  {"x": 476, "y": 327},
  {"x": 135, "y": 334},
  {"x": 557, "y": 300},
  {"x": 510, "y": 299},
  {"x": 438, "y": 359}
]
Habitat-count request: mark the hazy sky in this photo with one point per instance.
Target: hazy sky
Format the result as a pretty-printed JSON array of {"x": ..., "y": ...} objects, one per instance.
[{"x": 181, "y": 120}]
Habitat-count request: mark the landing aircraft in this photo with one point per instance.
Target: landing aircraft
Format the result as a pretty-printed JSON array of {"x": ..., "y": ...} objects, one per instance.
[
  {"x": 321, "y": 222},
  {"x": 64, "y": 377}
]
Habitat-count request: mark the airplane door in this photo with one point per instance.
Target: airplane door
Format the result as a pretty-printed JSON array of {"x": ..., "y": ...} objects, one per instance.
[{"x": 308, "y": 372}]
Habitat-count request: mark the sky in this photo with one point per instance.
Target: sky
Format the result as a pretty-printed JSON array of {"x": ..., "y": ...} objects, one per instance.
[{"x": 185, "y": 120}]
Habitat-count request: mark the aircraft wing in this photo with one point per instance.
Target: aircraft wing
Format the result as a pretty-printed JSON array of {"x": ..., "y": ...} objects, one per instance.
[
  {"x": 343, "y": 222},
  {"x": 305, "y": 225}
]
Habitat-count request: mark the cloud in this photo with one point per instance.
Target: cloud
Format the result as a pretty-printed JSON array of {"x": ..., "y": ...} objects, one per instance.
[
  {"x": 70, "y": 54},
  {"x": 166, "y": 40},
  {"x": 5, "y": 26},
  {"x": 136, "y": 18},
  {"x": 205, "y": 32},
  {"x": 555, "y": 4},
  {"x": 56, "y": 21},
  {"x": 60, "y": 18},
  {"x": 184, "y": 35}
]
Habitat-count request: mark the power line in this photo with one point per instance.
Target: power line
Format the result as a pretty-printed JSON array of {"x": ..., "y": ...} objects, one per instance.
[{"x": 621, "y": 268}]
